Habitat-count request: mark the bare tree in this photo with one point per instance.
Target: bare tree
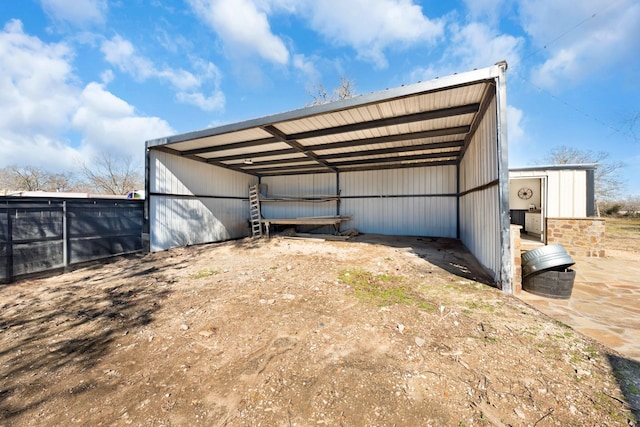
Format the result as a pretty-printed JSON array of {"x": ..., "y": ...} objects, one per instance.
[
  {"x": 631, "y": 125},
  {"x": 31, "y": 178},
  {"x": 632, "y": 203},
  {"x": 607, "y": 180},
  {"x": 112, "y": 174},
  {"x": 25, "y": 178},
  {"x": 345, "y": 90},
  {"x": 64, "y": 181}
]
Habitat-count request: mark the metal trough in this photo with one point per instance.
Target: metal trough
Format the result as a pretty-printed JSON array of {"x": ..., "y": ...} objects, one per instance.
[{"x": 545, "y": 258}]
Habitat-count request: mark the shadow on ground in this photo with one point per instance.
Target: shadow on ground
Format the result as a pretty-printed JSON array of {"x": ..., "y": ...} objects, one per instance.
[
  {"x": 448, "y": 254},
  {"x": 627, "y": 373},
  {"x": 49, "y": 332}
]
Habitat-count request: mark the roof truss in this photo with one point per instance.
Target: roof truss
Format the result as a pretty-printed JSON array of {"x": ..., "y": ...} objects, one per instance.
[{"x": 415, "y": 128}]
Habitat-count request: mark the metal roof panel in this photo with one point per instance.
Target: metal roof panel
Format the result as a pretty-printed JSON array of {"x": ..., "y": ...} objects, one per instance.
[{"x": 364, "y": 131}]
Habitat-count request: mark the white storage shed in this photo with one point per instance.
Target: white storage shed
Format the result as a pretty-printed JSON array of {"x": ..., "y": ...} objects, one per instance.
[
  {"x": 428, "y": 159},
  {"x": 552, "y": 191}
]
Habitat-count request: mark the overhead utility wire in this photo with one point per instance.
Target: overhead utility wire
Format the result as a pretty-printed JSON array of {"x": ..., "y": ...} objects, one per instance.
[
  {"x": 570, "y": 30},
  {"x": 557, "y": 98}
]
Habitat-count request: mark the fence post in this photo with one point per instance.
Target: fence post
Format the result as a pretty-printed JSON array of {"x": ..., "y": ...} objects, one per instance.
[
  {"x": 9, "y": 246},
  {"x": 65, "y": 236}
]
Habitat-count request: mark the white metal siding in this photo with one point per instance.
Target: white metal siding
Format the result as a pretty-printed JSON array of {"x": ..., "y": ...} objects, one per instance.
[
  {"x": 180, "y": 222},
  {"x": 411, "y": 201},
  {"x": 479, "y": 210},
  {"x": 566, "y": 191},
  {"x": 567, "y": 194},
  {"x": 172, "y": 174},
  {"x": 428, "y": 208},
  {"x": 479, "y": 228},
  {"x": 191, "y": 202},
  {"x": 299, "y": 185}
]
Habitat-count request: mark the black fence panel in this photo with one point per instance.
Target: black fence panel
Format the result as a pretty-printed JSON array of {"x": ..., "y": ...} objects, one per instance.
[
  {"x": 38, "y": 235},
  {"x": 102, "y": 229},
  {"x": 36, "y": 257}
]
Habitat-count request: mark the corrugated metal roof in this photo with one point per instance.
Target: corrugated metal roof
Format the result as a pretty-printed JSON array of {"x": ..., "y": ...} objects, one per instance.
[{"x": 424, "y": 124}]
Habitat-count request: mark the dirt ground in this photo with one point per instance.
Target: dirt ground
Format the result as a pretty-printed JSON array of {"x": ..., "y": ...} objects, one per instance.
[{"x": 375, "y": 331}]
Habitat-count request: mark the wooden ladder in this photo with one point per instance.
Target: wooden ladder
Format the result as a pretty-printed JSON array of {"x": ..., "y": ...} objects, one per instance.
[{"x": 254, "y": 211}]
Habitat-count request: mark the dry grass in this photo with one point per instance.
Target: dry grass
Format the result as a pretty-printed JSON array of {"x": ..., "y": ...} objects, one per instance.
[{"x": 623, "y": 235}]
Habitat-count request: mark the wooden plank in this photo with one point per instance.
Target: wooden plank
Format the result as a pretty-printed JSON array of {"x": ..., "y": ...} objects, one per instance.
[
  {"x": 298, "y": 199},
  {"x": 302, "y": 221},
  {"x": 304, "y": 238},
  {"x": 323, "y": 236}
]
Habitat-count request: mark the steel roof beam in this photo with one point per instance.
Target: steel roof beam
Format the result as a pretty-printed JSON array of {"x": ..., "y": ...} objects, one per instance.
[
  {"x": 399, "y": 149},
  {"x": 199, "y": 159},
  {"x": 398, "y": 166},
  {"x": 391, "y": 121},
  {"x": 278, "y": 162},
  {"x": 391, "y": 138},
  {"x": 257, "y": 154},
  {"x": 232, "y": 146},
  {"x": 391, "y": 159},
  {"x": 313, "y": 168},
  {"x": 295, "y": 144}
]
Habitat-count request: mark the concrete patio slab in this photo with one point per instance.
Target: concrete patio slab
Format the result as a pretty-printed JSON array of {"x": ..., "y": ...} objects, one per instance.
[{"x": 604, "y": 304}]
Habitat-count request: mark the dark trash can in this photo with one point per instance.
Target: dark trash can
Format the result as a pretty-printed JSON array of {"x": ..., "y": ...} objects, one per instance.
[
  {"x": 551, "y": 283},
  {"x": 546, "y": 272}
]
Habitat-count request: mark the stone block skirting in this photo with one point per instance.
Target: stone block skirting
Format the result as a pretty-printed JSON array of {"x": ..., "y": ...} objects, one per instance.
[
  {"x": 516, "y": 257},
  {"x": 578, "y": 236}
]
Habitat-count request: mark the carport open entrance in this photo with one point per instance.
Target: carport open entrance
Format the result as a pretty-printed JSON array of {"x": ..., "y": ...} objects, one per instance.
[{"x": 421, "y": 160}]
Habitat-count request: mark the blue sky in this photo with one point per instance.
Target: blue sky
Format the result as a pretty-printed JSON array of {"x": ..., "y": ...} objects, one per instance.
[{"x": 80, "y": 77}]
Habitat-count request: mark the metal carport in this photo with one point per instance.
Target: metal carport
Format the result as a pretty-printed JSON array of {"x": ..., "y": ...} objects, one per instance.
[{"x": 425, "y": 159}]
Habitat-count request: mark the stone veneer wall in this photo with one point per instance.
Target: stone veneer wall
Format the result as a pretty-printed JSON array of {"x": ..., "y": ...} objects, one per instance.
[
  {"x": 516, "y": 256},
  {"x": 578, "y": 236}
]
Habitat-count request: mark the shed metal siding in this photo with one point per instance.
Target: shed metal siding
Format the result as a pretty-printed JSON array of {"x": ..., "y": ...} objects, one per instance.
[
  {"x": 191, "y": 202},
  {"x": 412, "y": 201},
  {"x": 299, "y": 185},
  {"x": 566, "y": 192},
  {"x": 479, "y": 208}
]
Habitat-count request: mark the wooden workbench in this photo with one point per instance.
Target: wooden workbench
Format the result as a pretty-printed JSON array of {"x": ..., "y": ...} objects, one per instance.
[{"x": 311, "y": 220}]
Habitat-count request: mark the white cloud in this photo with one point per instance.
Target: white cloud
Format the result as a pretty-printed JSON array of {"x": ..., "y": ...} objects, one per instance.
[
  {"x": 488, "y": 11},
  {"x": 521, "y": 146},
  {"x": 189, "y": 85},
  {"x": 243, "y": 28},
  {"x": 368, "y": 27},
  {"x": 472, "y": 46},
  {"x": 121, "y": 53},
  {"x": 515, "y": 126},
  {"x": 477, "y": 46},
  {"x": 36, "y": 98},
  {"x": 307, "y": 67},
  {"x": 106, "y": 76},
  {"x": 371, "y": 27},
  {"x": 580, "y": 39},
  {"x": 108, "y": 123},
  {"x": 78, "y": 12},
  {"x": 41, "y": 101}
]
